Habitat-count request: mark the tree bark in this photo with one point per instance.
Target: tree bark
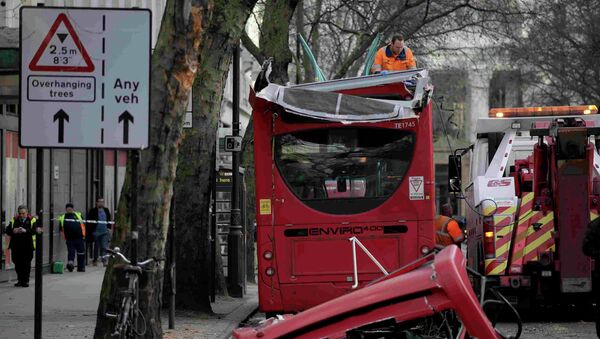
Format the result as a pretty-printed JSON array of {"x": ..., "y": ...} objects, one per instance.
[
  {"x": 303, "y": 64},
  {"x": 274, "y": 42},
  {"x": 174, "y": 67},
  {"x": 274, "y": 37},
  {"x": 195, "y": 170}
]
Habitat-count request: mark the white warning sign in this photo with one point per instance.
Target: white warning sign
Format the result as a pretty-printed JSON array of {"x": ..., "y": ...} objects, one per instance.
[
  {"x": 85, "y": 77},
  {"x": 415, "y": 188},
  {"x": 61, "y": 50}
]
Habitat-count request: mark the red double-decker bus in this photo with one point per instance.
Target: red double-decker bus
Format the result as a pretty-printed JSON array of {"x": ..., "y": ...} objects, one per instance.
[{"x": 335, "y": 160}]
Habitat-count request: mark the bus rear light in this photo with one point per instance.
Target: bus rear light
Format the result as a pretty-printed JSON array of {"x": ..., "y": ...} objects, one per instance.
[
  {"x": 270, "y": 271},
  {"x": 489, "y": 245},
  {"x": 268, "y": 255},
  {"x": 425, "y": 250},
  {"x": 542, "y": 111}
]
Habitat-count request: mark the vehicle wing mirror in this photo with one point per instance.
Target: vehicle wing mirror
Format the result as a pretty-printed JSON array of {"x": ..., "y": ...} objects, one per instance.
[
  {"x": 341, "y": 184},
  {"x": 454, "y": 174}
]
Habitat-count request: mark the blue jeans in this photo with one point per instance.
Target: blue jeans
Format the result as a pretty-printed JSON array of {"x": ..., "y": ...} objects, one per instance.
[
  {"x": 100, "y": 244},
  {"x": 76, "y": 247}
]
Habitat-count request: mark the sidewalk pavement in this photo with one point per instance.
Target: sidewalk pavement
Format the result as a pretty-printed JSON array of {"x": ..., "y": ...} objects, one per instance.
[{"x": 70, "y": 301}]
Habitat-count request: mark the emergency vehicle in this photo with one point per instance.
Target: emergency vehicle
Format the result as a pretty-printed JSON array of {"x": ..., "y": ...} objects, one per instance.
[
  {"x": 534, "y": 188},
  {"x": 335, "y": 160}
]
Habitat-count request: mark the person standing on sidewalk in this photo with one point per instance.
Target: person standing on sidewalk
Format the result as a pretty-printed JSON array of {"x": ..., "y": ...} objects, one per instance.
[
  {"x": 73, "y": 229},
  {"x": 101, "y": 216},
  {"x": 22, "y": 230}
]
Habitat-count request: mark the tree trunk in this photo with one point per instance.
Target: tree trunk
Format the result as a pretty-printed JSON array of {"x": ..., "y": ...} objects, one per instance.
[
  {"x": 195, "y": 171},
  {"x": 303, "y": 63},
  {"x": 315, "y": 37},
  {"x": 274, "y": 42},
  {"x": 274, "y": 37},
  {"x": 174, "y": 67}
]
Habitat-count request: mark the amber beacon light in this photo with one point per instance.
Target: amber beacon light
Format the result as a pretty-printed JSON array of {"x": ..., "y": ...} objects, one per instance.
[{"x": 542, "y": 111}]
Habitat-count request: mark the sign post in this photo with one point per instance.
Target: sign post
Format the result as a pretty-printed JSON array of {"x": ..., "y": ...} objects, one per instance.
[{"x": 84, "y": 83}]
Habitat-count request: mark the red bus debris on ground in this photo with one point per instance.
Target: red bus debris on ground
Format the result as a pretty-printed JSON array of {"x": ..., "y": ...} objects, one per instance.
[{"x": 395, "y": 306}]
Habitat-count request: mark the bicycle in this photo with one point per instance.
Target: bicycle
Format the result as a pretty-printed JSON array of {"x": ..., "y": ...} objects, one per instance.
[{"x": 131, "y": 323}]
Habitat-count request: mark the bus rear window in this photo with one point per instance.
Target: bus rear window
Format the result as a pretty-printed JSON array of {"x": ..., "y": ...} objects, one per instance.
[{"x": 327, "y": 167}]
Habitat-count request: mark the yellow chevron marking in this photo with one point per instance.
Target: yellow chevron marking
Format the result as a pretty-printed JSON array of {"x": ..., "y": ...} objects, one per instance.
[
  {"x": 544, "y": 220},
  {"x": 523, "y": 219},
  {"x": 488, "y": 209},
  {"x": 504, "y": 231},
  {"x": 539, "y": 241},
  {"x": 525, "y": 216},
  {"x": 508, "y": 213},
  {"x": 522, "y": 237},
  {"x": 502, "y": 249},
  {"x": 487, "y": 263},
  {"x": 527, "y": 198},
  {"x": 552, "y": 248},
  {"x": 499, "y": 269},
  {"x": 593, "y": 216}
]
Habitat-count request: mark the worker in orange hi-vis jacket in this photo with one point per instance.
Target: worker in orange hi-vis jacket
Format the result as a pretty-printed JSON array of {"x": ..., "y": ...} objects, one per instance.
[
  {"x": 393, "y": 57},
  {"x": 447, "y": 229}
]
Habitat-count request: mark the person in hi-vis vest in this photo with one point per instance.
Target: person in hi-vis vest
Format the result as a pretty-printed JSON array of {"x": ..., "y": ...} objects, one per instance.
[
  {"x": 73, "y": 230},
  {"x": 22, "y": 230},
  {"x": 447, "y": 229}
]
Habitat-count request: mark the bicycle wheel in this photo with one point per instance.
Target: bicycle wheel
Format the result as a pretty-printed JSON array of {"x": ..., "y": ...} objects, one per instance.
[{"x": 123, "y": 326}]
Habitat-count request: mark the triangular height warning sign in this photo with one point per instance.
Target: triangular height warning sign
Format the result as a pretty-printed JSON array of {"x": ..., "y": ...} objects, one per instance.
[
  {"x": 416, "y": 183},
  {"x": 61, "y": 50}
]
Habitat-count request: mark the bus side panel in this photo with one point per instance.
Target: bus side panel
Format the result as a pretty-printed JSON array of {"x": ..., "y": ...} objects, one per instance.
[{"x": 269, "y": 293}]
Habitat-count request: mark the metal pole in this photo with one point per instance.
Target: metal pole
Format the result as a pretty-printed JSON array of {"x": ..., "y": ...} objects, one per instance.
[
  {"x": 173, "y": 278},
  {"x": 213, "y": 229},
  {"x": 134, "y": 189},
  {"x": 88, "y": 246},
  {"x": 39, "y": 241},
  {"x": 51, "y": 210},
  {"x": 234, "y": 238}
]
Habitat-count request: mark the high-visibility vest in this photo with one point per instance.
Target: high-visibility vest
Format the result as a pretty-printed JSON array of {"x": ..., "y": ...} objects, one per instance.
[
  {"x": 32, "y": 224},
  {"x": 447, "y": 231},
  {"x": 392, "y": 62},
  {"x": 61, "y": 221}
]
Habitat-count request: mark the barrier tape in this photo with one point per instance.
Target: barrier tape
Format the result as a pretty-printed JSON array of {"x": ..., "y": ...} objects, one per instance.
[{"x": 89, "y": 221}]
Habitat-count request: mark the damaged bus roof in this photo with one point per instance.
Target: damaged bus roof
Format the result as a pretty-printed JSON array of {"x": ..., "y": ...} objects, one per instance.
[{"x": 303, "y": 100}]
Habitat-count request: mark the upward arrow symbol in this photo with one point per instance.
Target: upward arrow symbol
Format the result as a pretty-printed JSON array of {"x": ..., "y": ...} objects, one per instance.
[
  {"x": 126, "y": 117},
  {"x": 61, "y": 116}
]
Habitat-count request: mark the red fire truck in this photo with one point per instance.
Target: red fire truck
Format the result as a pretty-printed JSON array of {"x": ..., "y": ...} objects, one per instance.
[
  {"x": 335, "y": 160},
  {"x": 534, "y": 189}
]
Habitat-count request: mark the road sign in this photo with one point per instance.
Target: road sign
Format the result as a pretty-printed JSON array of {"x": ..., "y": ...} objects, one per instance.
[
  {"x": 233, "y": 143},
  {"x": 85, "y": 77},
  {"x": 416, "y": 188}
]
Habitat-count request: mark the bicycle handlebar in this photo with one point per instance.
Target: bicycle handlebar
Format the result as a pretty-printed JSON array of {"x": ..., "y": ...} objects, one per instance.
[{"x": 117, "y": 252}]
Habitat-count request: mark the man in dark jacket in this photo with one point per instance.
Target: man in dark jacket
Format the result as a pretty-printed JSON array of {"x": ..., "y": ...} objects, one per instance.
[
  {"x": 591, "y": 248},
  {"x": 22, "y": 230},
  {"x": 73, "y": 229},
  {"x": 100, "y": 217}
]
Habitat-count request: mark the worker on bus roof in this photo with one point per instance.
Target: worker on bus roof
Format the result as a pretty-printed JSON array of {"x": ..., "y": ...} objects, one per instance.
[
  {"x": 447, "y": 229},
  {"x": 393, "y": 57}
]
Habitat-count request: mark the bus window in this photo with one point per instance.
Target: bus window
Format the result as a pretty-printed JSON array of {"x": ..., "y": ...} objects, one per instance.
[{"x": 344, "y": 163}]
